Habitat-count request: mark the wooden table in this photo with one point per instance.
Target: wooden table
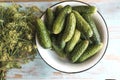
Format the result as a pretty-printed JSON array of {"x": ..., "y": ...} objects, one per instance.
[{"x": 107, "y": 69}]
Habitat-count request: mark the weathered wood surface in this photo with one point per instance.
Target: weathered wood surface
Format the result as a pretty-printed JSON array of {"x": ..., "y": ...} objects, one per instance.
[{"x": 107, "y": 68}]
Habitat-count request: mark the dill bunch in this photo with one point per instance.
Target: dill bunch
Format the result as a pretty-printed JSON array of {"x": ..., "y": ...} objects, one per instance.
[{"x": 17, "y": 36}]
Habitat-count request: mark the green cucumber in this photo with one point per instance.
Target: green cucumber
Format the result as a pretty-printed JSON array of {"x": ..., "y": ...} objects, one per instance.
[
  {"x": 58, "y": 9},
  {"x": 79, "y": 50},
  {"x": 69, "y": 28},
  {"x": 96, "y": 36},
  {"x": 49, "y": 19},
  {"x": 57, "y": 49},
  {"x": 82, "y": 25},
  {"x": 91, "y": 51},
  {"x": 59, "y": 21},
  {"x": 43, "y": 35},
  {"x": 61, "y": 43},
  {"x": 85, "y": 9},
  {"x": 71, "y": 44}
]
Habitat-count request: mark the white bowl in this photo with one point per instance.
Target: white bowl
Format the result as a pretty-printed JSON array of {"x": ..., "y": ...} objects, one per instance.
[{"x": 64, "y": 65}]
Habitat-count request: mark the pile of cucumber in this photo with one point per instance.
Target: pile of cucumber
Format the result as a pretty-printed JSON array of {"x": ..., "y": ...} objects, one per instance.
[{"x": 70, "y": 32}]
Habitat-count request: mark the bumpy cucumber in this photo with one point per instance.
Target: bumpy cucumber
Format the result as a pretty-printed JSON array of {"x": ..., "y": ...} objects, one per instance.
[
  {"x": 82, "y": 25},
  {"x": 79, "y": 50},
  {"x": 56, "y": 48},
  {"x": 71, "y": 44},
  {"x": 43, "y": 35},
  {"x": 57, "y": 10},
  {"x": 69, "y": 28},
  {"x": 96, "y": 36},
  {"x": 91, "y": 51},
  {"x": 85, "y": 9},
  {"x": 61, "y": 43},
  {"x": 49, "y": 19},
  {"x": 59, "y": 21}
]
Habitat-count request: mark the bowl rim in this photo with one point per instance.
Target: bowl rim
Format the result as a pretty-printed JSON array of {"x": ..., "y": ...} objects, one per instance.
[{"x": 107, "y": 37}]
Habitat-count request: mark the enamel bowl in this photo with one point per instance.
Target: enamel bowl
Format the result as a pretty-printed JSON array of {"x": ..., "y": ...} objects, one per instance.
[{"x": 64, "y": 65}]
